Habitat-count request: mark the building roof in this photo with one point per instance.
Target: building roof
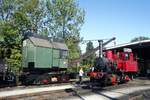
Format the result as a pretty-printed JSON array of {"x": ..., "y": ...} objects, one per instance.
[
  {"x": 137, "y": 44},
  {"x": 48, "y": 44}
]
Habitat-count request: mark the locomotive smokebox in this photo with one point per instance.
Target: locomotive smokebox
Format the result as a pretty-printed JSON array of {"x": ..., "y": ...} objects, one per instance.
[{"x": 101, "y": 64}]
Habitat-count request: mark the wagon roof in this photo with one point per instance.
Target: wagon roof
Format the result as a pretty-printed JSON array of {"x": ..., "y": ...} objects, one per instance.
[
  {"x": 40, "y": 42},
  {"x": 48, "y": 44},
  {"x": 58, "y": 45}
]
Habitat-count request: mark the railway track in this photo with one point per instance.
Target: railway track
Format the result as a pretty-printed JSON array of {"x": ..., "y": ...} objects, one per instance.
[
  {"x": 70, "y": 91},
  {"x": 33, "y": 92},
  {"x": 31, "y": 86},
  {"x": 6, "y": 88}
]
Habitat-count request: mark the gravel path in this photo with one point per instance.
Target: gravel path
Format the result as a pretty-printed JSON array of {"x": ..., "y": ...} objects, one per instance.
[{"x": 80, "y": 92}]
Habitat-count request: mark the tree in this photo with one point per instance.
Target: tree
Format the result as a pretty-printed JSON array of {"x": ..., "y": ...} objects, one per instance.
[
  {"x": 11, "y": 47},
  {"x": 140, "y": 38},
  {"x": 28, "y": 15},
  {"x": 16, "y": 18},
  {"x": 91, "y": 58},
  {"x": 61, "y": 18},
  {"x": 65, "y": 17},
  {"x": 7, "y": 8},
  {"x": 64, "y": 20}
]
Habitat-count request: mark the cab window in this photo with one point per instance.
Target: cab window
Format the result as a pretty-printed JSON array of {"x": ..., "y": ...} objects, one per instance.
[{"x": 126, "y": 56}]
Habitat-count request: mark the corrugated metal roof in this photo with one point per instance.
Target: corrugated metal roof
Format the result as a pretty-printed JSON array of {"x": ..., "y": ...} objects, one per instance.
[
  {"x": 46, "y": 43},
  {"x": 58, "y": 45},
  {"x": 128, "y": 44},
  {"x": 40, "y": 42}
]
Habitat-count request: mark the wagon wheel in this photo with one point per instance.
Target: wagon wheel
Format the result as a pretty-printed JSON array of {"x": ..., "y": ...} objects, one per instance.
[{"x": 43, "y": 79}]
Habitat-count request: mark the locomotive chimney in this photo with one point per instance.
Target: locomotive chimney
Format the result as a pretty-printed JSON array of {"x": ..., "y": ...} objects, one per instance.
[{"x": 100, "y": 48}]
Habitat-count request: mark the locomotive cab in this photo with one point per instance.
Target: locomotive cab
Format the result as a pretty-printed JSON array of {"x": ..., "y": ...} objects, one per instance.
[{"x": 127, "y": 62}]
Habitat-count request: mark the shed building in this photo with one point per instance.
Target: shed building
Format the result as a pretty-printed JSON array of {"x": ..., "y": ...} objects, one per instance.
[{"x": 142, "y": 50}]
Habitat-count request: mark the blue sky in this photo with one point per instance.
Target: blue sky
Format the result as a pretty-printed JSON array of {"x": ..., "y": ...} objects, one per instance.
[{"x": 124, "y": 19}]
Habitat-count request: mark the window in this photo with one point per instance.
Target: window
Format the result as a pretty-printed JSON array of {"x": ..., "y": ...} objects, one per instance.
[
  {"x": 126, "y": 56},
  {"x": 63, "y": 54}
]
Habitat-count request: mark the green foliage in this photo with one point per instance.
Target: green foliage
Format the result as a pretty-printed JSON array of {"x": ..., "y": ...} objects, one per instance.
[
  {"x": 7, "y": 8},
  {"x": 16, "y": 18},
  {"x": 61, "y": 18},
  {"x": 140, "y": 38},
  {"x": 11, "y": 46},
  {"x": 73, "y": 69},
  {"x": 65, "y": 19},
  {"x": 91, "y": 58},
  {"x": 31, "y": 14},
  {"x": 14, "y": 61},
  {"x": 74, "y": 49},
  {"x": 21, "y": 21}
]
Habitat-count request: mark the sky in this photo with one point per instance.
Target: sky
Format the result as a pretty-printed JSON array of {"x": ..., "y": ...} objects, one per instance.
[{"x": 124, "y": 19}]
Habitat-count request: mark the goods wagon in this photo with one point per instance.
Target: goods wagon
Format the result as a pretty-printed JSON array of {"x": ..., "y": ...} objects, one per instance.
[{"x": 43, "y": 61}]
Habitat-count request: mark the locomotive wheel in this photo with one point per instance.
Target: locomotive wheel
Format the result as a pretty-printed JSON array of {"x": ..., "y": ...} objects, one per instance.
[
  {"x": 10, "y": 79},
  {"x": 92, "y": 82},
  {"x": 27, "y": 79},
  {"x": 107, "y": 81},
  {"x": 42, "y": 79}
]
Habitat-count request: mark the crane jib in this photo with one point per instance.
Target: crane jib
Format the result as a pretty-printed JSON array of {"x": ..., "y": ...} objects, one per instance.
[{"x": 87, "y": 54}]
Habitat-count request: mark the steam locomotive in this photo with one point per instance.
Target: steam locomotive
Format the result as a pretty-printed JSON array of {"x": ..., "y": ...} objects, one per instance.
[{"x": 114, "y": 67}]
